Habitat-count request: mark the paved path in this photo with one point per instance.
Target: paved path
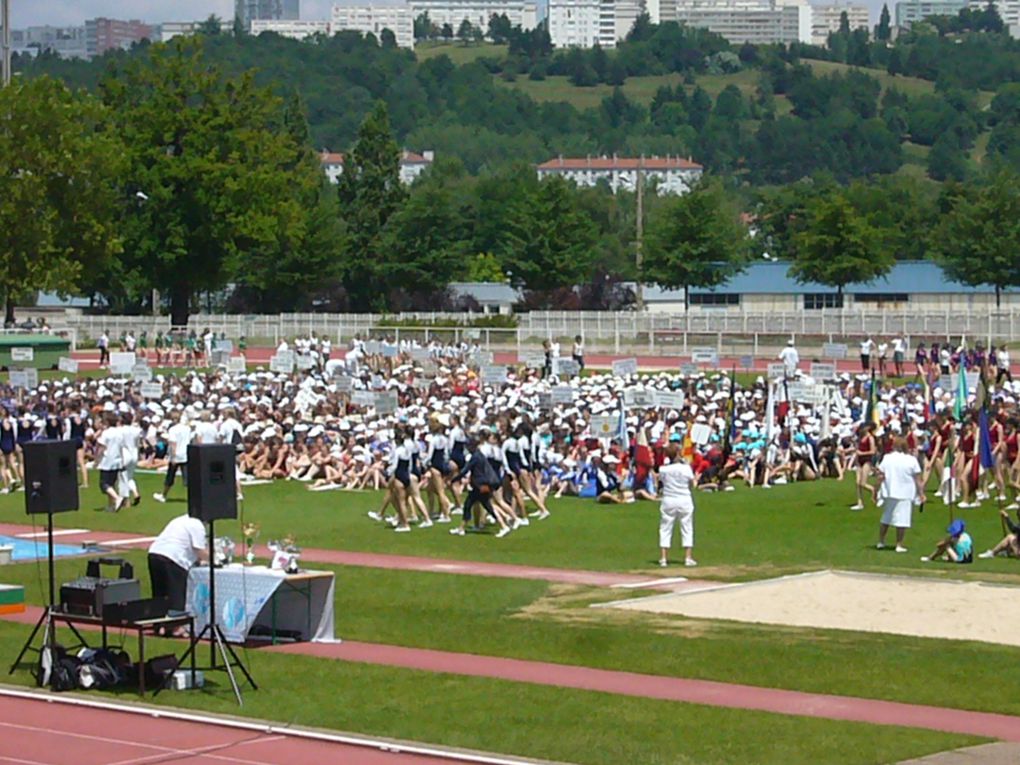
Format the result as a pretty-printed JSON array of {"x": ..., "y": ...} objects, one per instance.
[{"x": 985, "y": 754}]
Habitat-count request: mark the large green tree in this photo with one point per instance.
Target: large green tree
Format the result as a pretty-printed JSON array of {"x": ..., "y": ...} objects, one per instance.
[
  {"x": 978, "y": 239},
  {"x": 217, "y": 167},
  {"x": 370, "y": 193},
  {"x": 548, "y": 240},
  {"x": 59, "y": 200},
  {"x": 836, "y": 244},
  {"x": 696, "y": 240}
]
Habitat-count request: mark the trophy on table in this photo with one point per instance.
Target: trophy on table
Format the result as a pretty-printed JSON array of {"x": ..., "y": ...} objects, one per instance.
[{"x": 251, "y": 533}]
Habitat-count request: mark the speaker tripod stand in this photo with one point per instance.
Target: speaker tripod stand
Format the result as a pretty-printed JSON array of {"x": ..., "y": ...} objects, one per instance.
[
  {"x": 219, "y": 649},
  {"x": 47, "y": 621}
]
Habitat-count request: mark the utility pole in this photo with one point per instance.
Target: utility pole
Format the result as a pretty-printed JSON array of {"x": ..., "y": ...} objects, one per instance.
[
  {"x": 5, "y": 19},
  {"x": 639, "y": 295}
]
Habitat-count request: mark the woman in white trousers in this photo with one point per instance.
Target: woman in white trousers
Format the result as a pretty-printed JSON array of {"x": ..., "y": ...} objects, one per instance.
[{"x": 677, "y": 506}]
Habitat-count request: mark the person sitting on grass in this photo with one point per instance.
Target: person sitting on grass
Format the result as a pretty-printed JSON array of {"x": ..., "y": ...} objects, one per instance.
[
  {"x": 958, "y": 547},
  {"x": 608, "y": 490},
  {"x": 1010, "y": 544}
]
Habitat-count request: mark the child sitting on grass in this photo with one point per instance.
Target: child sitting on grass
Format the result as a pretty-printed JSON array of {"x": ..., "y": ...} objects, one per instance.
[{"x": 958, "y": 547}]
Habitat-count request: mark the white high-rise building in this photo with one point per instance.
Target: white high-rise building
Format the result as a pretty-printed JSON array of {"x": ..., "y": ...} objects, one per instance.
[
  {"x": 582, "y": 23},
  {"x": 248, "y": 11},
  {"x": 296, "y": 30},
  {"x": 374, "y": 16},
  {"x": 669, "y": 175},
  {"x": 522, "y": 13},
  {"x": 759, "y": 22},
  {"x": 826, "y": 18},
  {"x": 1009, "y": 10},
  {"x": 909, "y": 11}
]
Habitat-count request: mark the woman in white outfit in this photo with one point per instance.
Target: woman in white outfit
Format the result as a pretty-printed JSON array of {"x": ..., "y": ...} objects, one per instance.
[
  {"x": 677, "y": 505},
  {"x": 901, "y": 487}
]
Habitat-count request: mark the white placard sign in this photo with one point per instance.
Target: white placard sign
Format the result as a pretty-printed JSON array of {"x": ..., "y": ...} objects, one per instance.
[
  {"x": 531, "y": 359},
  {"x": 669, "y": 399},
  {"x": 566, "y": 368},
  {"x": 420, "y": 383},
  {"x": 688, "y": 368},
  {"x": 545, "y": 401},
  {"x": 372, "y": 347},
  {"x": 493, "y": 374},
  {"x": 152, "y": 390},
  {"x": 237, "y": 365},
  {"x": 954, "y": 381},
  {"x": 363, "y": 398},
  {"x": 22, "y": 354},
  {"x": 224, "y": 346},
  {"x": 834, "y": 350},
  {"x": 287, "y": 356},
  {"x": 65, "y": 364},
  {"x": 806, "y": 393},
  {"x": 701, "y": 433},
  {"x": 823, "y": 371},
  {"x": 122, "y": 363},
  {"x": 389, "y": 351},
  {"x": 562, "y": 394},
  {"x": 747, "y": 362},
  {"x": 483, "y": 358},
  {"x": 705, "y": 356},
  {"x": 19, "y": 378},
  {"x": 304, "y": 363},
  {"x": 419, "y": 354},
  {"x": 776, "y": 370},
  {"x": 643, "y": 399},
  {"x": 344, "y": 384},
  {"x": 281, "y": 365},
  {"x": 624, "y": 367},
  {"x": 141, "y": 372},
  {"x": 604, "y": 425},
  {"x": 386, "y": 402}
]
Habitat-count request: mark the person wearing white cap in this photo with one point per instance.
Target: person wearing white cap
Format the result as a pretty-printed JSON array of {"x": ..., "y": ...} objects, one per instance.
[
  {"x": 677, "y": 504},
  {"x": 790, "y": 358}
]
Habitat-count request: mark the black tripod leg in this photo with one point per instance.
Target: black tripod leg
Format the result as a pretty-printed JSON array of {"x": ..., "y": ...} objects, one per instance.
[
  {"x": 221, "y": 644},
  {"x": 240, "y": 665},
  {"x": 31, "y": 638}
]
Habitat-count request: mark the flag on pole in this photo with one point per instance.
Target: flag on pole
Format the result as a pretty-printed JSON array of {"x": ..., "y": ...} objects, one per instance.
[
  {"x": 730, "y": 412},
  {"x": 871, "y": 413},
  {"x": 987, "y": 460},
  {"x": 960, "y": 404},
  {"x": 687, "y": 452},
  {"x": 621, "y": 427},
  {"x": 770, "y": 413}
]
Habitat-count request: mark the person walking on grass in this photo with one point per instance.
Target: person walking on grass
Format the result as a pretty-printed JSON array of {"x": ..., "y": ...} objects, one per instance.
[
  {"x": 110, "y": 460},
  {"x": 901, "y": 488},
  {"x": 178, "y": 438},
  {"x": 677, "y": 505},
  {"x": 867, "y": 447},
  {"x": 483, "y": 483}
]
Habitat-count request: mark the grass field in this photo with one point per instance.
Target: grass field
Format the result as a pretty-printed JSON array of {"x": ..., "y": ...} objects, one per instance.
[
  {"x": 741, "y": 535},
  {"x": 458, "y": 53}
]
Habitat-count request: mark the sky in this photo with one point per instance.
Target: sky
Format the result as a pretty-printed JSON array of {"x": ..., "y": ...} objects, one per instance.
[{"x": 74, "y": 12}]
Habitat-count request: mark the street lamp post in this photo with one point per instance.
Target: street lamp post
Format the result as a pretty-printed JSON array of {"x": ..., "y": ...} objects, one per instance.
[{"x": 5, "y": 19}]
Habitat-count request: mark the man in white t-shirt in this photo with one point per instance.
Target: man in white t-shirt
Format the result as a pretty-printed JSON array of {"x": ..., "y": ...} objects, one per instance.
[
  {"x": 180, "y": 545},
  {"x": 790, "y": 358},
  {"x": 109, "y": 460},
  {"x": 205, "y": 431},
  {"x": 178, "y": 438},
  {"x": 899, "y": 348},
  {"x": 867, "y": 346},
  {"x": 130, "y": 436},
  {"x": 677, "y": 505},
  {"x": 901, "y": 486}
]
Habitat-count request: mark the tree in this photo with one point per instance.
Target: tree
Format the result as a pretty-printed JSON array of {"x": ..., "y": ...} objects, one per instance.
[
  {"x": 423, "y": 27},
  {"x": 946, "y": 160},
  {"x": 835, "y": 245},
  {"x": 221, "y": 170},
  {"x": 370, "y": 193},
  {"x": 883, "y": 32},
  {"x": 696, "y": 240},
  {"x": 212, "y": 26},
  {"x": 979, "y": 236},
  {"x": 500, "y": 28},
  {"x": 60, "y": 163},
  {"x": 465, "y": 32},
  {"x": 547, "y": 241},
  {"x": 446, "y": 32}
]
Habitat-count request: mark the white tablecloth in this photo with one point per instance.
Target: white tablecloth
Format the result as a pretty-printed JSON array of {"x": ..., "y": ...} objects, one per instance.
[{"x": 244, "y": 595}]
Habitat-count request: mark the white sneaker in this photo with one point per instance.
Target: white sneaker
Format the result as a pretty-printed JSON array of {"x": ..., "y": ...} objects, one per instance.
[
  {"x": 728, "y": 488},
  {"x": 880, "y": 546},
  {"x": 402, "y": 529},
  {"x": 391, "y": 521},
  {"x": 925, "y": 559},
  {"x": 457, "y": 511},
  {"x": 374, "y": 515},
  {"x": 1002, "y": 498},
  {"x": 426, "y": 524},
  {"x": 535, "y": 514},
  {"x": 545, "y": 514},
  {"x": 517, "y": 523},
  {"x": 690, "y": 563},
  {"x": 982, "y": 495},
  {"x": 901, "y": 549},
  {"x": 502, "y": 532},
  {"x": 857, "y": 507},
  {"x": 1012, "y": 506},
  {"x": 781, "y": 481},
  {"x": 159, "y": 497},
  {"x": 987, "y": 554},
  {"x": 766, "y": 486},
  {"x": 457, "y": 532},
  {"x": 663, "y": 564},
  {"x": 442, "y": 519},
  {"x": 525, "y": 522}
]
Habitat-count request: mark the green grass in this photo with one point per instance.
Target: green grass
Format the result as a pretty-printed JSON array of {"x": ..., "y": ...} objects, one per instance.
[
  {"x": 459, "y": 53},
  {"x": 534, "y": 721}
]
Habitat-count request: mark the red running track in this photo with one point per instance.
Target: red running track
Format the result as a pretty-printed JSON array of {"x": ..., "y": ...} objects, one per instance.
[{"x": 40, "y": 732}]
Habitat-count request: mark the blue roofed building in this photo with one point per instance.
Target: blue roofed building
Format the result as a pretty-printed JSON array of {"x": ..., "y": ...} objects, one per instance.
[{"x": 767, "y": 287}]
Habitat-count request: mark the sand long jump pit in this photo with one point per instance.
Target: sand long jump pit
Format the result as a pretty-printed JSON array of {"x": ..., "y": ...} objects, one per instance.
[{"x": 848, "y": 600}]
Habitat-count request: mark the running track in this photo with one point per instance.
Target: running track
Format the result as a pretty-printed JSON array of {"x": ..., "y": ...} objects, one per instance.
[
  {"x": 712, "y": 693},
  {"x": 39, "y": 732}
]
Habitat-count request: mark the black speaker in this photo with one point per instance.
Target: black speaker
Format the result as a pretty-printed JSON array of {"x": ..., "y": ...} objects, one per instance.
[
  {"x": 212, "y": 483},
  {"x": 51, "y": 476}
]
